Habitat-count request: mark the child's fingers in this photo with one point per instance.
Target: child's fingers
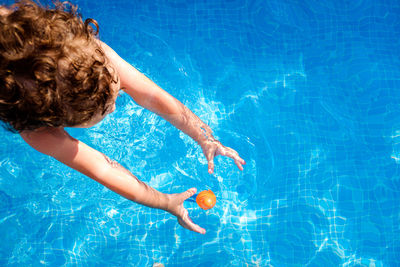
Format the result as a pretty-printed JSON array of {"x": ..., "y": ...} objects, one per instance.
[
  {"x": 188, "y": 193},
  {"x": 235, "y": 156},
  {"x": 239, "y": 162},
  {"x": 187, "y": 223},
  {"x": 198, "y": 229},
  {"x": 223, "y": 151},
  {"x": 210, "y": 166},
  {"x": 194, "y": 227},
  {"x": 210, "y": 158}
]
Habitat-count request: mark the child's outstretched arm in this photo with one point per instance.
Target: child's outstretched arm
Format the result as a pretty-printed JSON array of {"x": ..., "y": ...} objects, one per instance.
[
  {"x": 56, "y": 142},
  {"x": 147, "y": 94}
]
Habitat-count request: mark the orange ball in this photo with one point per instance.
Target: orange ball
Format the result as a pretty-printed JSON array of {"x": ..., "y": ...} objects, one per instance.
[{"x": 206, "y": 199}]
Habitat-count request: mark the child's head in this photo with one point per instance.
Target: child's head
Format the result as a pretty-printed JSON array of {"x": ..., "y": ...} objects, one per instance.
[{"x": 52, "y": 69}]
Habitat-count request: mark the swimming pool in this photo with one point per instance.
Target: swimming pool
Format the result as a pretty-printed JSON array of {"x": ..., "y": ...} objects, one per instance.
[{"x": 306, "y": 91}]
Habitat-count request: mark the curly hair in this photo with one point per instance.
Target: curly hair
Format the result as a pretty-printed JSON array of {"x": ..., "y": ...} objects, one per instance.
[{"x": 53, "y": 71}]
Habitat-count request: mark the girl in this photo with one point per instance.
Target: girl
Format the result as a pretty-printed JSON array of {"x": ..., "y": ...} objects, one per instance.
[{"x": 56, "y": 73}]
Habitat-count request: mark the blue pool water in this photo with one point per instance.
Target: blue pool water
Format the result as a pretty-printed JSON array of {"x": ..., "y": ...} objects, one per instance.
[{"x": 308, "y": 92}]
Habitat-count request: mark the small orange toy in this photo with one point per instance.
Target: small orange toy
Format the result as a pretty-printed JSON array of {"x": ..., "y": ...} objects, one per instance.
[{"x": 206, "y": 199}]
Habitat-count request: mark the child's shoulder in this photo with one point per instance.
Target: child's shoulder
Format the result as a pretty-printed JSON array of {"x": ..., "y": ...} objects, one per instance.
[
  {"x": 4, "y": 11},
  {"x": 46, "y": 139}
]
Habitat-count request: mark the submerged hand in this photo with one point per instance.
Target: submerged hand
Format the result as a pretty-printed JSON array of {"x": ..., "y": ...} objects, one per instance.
[
  {"x": 212, "y": 148},
  {"x": 175, "y": 207}
]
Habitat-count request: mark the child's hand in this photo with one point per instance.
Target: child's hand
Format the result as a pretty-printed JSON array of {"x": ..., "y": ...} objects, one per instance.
[
  {"x": 175, "y": 207},
  {"x": 212, "y": 148}
]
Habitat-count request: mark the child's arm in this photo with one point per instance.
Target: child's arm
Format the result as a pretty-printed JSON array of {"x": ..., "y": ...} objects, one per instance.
[
  {"x": 147, "y": 94},
  {"x": 56, "y": 142}
]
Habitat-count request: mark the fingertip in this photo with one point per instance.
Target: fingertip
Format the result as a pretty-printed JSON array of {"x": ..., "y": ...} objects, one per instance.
[
  {"x": 210, "y": 167},
  {"x": 211, "y": 162},
  {"x": 201, "y": 230},
  {"x": 239, "y": 165},
  {"x": 193, "y": 190}
]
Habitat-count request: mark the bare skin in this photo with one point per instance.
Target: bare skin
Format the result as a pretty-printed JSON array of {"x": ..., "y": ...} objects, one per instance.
[
  {"x": 4, "y": 11},
  {"x": 56, "y": 142}
]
